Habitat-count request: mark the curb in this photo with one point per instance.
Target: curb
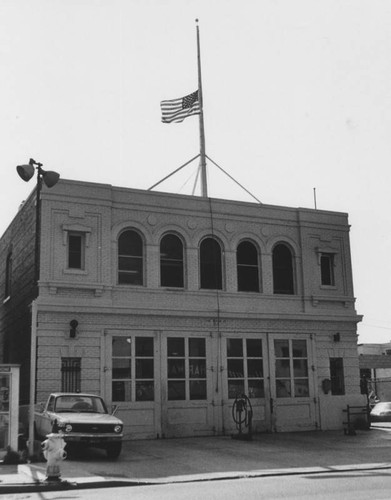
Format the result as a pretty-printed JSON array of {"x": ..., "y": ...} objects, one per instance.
[{"x": 65, "y": 485}]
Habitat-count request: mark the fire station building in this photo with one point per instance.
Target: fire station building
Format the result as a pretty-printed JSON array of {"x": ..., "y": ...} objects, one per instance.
[{"x": 171, "y": 306}]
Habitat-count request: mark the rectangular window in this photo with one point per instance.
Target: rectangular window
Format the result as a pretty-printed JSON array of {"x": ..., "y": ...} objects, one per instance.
[
  {"x": 337, "y": 376},
  {"x": 70, "y": 374},
  {"x": 327, "y": 269},
  {"x": 186, "y": 368},
  {"x": 133, "y": 369},
  {"x": 245, "y": 368},
  {"x": 75, "y": 251},
  {"x": 291, "y": 368}
]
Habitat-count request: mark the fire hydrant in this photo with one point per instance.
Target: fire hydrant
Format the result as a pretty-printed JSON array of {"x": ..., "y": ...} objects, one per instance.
[{"x": 53, "y": 451}]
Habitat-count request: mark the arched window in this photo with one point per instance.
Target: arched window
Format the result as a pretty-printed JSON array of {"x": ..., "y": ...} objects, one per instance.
[
  {"x": 247, "y": 267},
  {"x": 130, "y": 258},
  {"x": 210, "y": 264},
  {"x": 282, "y": 270},
  {"x": 171, "y": 261}
]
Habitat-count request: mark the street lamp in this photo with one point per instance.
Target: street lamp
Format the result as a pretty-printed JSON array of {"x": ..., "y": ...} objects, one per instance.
[{"x": 50, "y": 179}]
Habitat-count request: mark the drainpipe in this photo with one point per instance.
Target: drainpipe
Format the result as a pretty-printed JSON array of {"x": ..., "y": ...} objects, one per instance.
[{"x": 33, "y": 364}]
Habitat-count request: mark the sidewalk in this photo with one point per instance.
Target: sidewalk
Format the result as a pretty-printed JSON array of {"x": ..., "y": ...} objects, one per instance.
[{"x": 197, "y": 459}]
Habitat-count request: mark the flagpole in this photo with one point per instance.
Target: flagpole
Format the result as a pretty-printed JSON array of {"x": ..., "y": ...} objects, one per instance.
[{"x": 204, "y": 186}]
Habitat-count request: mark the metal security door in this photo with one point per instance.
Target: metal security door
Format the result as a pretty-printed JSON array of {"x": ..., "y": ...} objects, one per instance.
[
  {"x": 186, "y": 385},
  {"x": 292, "y": 401}
]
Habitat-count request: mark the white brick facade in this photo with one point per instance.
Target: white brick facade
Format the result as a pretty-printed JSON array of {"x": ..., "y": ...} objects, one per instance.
[{"x": 106, "y": 310}]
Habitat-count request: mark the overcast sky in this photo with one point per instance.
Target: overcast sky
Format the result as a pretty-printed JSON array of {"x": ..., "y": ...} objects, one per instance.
[{"x": 297, "y": 95}]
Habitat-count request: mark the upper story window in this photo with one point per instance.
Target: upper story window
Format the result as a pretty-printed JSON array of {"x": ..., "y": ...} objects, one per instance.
[
  {"x": 8, "y": 276},
  {"x": 171, "y": 261},
  {"x": 76, "y": 250},
  {"x": 327, "y": 269},
  {"x": 282, "y": 270},
  {"x": 210, "y": 265},
  {"x": 76, "y": 238},
  {"x": 130, "y": 258},
  {"x": 247, "y": 267}
]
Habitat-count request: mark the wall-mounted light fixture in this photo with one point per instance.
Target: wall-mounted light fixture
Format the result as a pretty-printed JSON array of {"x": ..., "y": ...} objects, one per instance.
[
  {"x": 326, "y": 385},
  {"x": 337, "y": 337},
  {"x": 72, "y": 332}
]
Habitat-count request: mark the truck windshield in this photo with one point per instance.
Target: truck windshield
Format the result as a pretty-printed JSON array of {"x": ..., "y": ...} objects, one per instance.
[{"x": 79, "y": 403}]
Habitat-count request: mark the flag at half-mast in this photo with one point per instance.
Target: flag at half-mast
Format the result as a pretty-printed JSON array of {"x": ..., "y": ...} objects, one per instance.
[{"x": 176, "y": 110}]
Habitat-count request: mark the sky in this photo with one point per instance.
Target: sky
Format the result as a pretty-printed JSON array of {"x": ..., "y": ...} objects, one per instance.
[{"x": 297, "y": 96}]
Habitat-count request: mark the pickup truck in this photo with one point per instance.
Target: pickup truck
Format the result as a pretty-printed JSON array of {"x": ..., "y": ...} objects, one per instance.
[{"x": 83, "y": 419}]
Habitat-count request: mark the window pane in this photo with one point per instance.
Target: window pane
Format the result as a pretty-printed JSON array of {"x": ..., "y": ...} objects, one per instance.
[
  {"x": 175, "y": 346},
  {"x": 176, "y": 368},
  {"x": 122, "y": 368},
  {"x": 235, "y": 388},
  {"x": 197, "y": 368},
  {"x": 299, "y": 348},
  {"x": 234, "y": 348},
  {"x": 256, "y": 389},
  {"x": 171, "y": 274},
  {"x": 176, "y": 390},
  {"x": 210, "y": 264},
  {"x": 300, "y": 368},
  {"x": 197, "y": 348},
  {"x": 197, "y": 389},
  {"x": 122, "y": 346},
  {"x": 171, "y": 261},
  {"x": 145, "y": 391},
  {"x": 121, "y": 390},
  {"x": 282, "y": 270},
  {"x": 282, "y": 368},
  {"x": 74, "y": 251},
  {"x": 247, "y": 253},
  {"x": 247, "y": 267},
  {"x": 235, "y": 368},
  {"x": 327, "y": 269},
  {"x": 283, "y": 388},
  {"x": 301, "y": 388},
  {"x": 133, "y": 278},
  {"x": 254, "y": 348},
  {"x": 144, "y": 368},
  {"x": 171, "y": 247},
  {"x": 144, "y": 346},
  {"x": 254, "y": 368},
  {"x": 130, "y": 243},
  {"x": 130, "y": 261},
  {"x": 248, "y": 279},
  {"x": 281, "y": 348},
  {"x": 132, "y": 265}
]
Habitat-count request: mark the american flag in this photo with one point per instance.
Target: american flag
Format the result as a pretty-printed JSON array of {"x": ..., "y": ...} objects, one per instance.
[{"x": 176, "y": 110}]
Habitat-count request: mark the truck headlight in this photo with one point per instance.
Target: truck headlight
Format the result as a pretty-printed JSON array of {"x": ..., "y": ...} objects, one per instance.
[{"x": 118, "y": 428}]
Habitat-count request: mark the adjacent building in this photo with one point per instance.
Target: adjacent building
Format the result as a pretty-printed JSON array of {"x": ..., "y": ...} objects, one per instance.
[
  {"x": 375, "y": 371},
  {"x": 171, "y": 306}
]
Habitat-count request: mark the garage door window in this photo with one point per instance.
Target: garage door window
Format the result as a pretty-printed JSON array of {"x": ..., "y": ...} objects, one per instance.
[
  {"x": 132, "y": 369},
  {"x": 291, "y": 368},
  {"x": 245, "y": 368},
  {"x": 186, "y": 368}
]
